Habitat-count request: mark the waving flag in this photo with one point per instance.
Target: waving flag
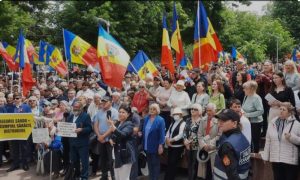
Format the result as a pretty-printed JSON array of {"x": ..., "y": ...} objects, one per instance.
[
  {"x": 43, "y": 51},
  {"x": 235, "y": 54},
  {"x": 206, "y": 46},
  {"x": 142, "y": 65},
  {"x": 21, "y": 53},
  {"x": 176, "y": 42},
  {"x": 166, "y": 54},
  {"x": 79, "y": 51},
  {"x": 113, "y": 59},
  {"x": 7, "y": 57},
  {"x": 55, "y": 60}
]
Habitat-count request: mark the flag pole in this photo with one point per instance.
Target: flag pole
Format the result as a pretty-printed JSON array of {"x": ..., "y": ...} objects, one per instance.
[
  {"x": 134, "y": 68},
  {"x": 199, "y": 34},
  {"x": 67, "y": 61}
]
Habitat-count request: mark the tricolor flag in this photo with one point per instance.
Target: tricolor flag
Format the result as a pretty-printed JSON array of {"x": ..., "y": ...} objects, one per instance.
[
  {"x": 235, "y": 54},
  {"x": 43, "y": 52},
  {"x": 176, "y": 42},
  {"x": 166, "y": 54},
  {"x": 206, "y": 44},
  {"x": 32, "y": 55},
  {"x": 79, "y": 51},
  {"x": 142, "y": 65},
  {"x": 55, "y": 60},
  {"x": 21, "y": 53},
  {"x": 8, "y": 58},
  {"x": 113, "y": 59}
]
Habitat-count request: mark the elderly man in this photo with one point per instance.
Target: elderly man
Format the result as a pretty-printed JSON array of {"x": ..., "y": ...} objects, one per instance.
[
  {"x": 101, "y": 129},
  {"x": 116, "y": 100},
  {"x": 86, "y": 91},
  {"x": 79, "y": 146}
]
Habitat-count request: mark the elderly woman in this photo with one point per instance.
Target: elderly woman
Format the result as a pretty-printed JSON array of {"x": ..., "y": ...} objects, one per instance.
[
  {"x": 179, "y": 98},
  {"x": 253, "y": 110},
  {"x": 174, "y": 141},
  {"x": 162, "y": 98},
  {"x": 207, "y": 136},
  {"x": 153, "y": 140},
  {"x": 281, "y": 93},
  {"x": 217, "y": 96},
  {"x": 190, "y": 136},
  {"x": 201, "y": 97},
  {"x": 291, "y": 75},
  {"x": 122, "y": 141},
  {"x": 283, "y": 135}
]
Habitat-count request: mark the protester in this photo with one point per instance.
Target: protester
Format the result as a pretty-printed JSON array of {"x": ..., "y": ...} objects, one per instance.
[
  {"x": 281, "y": 144},
  {"x": 201, "y": 97},
  {"x": 291, "y": 75},
  {"x": 217, "y": 96},
  {"x": 141, "y": 98}
]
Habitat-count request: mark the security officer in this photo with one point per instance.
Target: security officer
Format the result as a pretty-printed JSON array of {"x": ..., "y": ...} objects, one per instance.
[{"x": 233, "y": 157}]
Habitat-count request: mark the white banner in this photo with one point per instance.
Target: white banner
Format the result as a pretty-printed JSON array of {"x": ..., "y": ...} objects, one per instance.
[{"x": 66, "y": 129}]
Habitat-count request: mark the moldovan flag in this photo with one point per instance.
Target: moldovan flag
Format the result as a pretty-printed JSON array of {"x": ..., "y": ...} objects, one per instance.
[
  {"x": 235, "y": 54},
  {"x": 32, "y": 55},
  {"x": 166, "y": 54},
  {"x": 205, "y": 47},
  {"x": 113, "y": 59},
  {"x": 7, "y": 57},
  {"x": 43, "y": 51},
  {"x": 79, "y": 51},
  {"x": 56, "y": 61},
  {"x": 21, "y": 53},
  {"x": 176, "y": 42},
  {"x": 142, "y": 65}
]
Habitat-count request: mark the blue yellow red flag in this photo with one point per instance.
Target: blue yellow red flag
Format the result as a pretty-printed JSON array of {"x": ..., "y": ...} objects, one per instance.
[
  {"x": 79, "y": 51},
  {"x": 55, "y": 60},
  {"x": 7, "y": 57},
  {"x": 113, "y": 59},
  {"x": 142, "y": 65}
]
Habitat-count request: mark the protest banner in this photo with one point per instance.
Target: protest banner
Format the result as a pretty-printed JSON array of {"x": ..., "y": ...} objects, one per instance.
[
  {"x": 66, "y": 129},
  {"x": 40, "y": 135},
  {"x": 15, "y": 126}
]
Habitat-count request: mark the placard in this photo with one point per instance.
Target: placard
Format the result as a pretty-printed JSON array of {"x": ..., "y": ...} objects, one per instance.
[
  {"x": 40, "y": 135},
  {"x": 66, "y": 129}
]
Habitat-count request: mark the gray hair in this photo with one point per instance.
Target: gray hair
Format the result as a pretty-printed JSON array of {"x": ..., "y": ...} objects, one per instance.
[
  {"x": 211, "y": 106},
  {"x": 156, "y": 106}
]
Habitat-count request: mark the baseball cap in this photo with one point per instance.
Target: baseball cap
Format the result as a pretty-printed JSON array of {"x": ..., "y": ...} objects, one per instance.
[{"x": 228, "y": 114}]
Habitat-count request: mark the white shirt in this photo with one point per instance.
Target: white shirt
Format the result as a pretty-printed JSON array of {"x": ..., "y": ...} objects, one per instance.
[
  {"x": 246, "y": 128},
  {"x": 179, "y": 99},
  {"x": 179, "y": 135},
  {"x": 75, "y": 118}
]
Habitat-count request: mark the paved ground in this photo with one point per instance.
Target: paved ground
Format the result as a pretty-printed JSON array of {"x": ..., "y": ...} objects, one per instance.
[{"x": 20, "y": 174}]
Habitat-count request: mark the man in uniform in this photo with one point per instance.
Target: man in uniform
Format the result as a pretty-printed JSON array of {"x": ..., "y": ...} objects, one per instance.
[{"x": 233, "y": 157}]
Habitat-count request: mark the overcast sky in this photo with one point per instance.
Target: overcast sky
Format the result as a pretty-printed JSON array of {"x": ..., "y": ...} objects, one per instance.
[{"x": 255, "y": 7}]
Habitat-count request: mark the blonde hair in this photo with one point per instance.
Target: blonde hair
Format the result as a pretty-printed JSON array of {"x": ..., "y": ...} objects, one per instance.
[
  {"x": 290, "y": 62},
  {"x": 251, "y": 84},
  {"x": 289, "y": 107}
]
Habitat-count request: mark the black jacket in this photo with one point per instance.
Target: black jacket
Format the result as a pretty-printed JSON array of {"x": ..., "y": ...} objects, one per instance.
[{"x": 124, "y": 145}]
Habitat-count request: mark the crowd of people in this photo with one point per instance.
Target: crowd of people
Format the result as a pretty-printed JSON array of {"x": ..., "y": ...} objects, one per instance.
[{"x": 216, "y": 118}]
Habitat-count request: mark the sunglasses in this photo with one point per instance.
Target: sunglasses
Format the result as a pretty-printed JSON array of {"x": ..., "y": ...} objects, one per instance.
[
  {"x": 17, "y": 98},
  {"x": 194, "y": 109}
]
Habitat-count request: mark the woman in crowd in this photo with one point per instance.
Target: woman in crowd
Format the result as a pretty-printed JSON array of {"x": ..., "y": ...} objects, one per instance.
[
  {"x": 122, "y": 141},
  {"x": 239, "y": 93},
  {"x": 190, "y": 136},
  {"x": 253, "y": 110},
  {"x": 283, "y": 135},
  {"x": 153, "y": 140},
  {"x": 291, "y": 75},
  {"x": 162, "y": 98},
  {"x": 281, "y": 93},
  {"x": 179, "y": 98},
  {"x": 201, "y": 97},
  {"x": 174, "y": 141},
  {"x": 207, "y": 137},
  {"x": 217, "y": 96}
]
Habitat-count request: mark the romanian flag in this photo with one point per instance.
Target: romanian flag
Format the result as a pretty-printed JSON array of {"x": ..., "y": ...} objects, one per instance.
[
  {"x": 176, "y": 42},
  {"x": 55, "y": 60},
  {"x": 8, "y": 57},
  {"x": 235, "y": 54},
  {"x": 79, "y": 51},
  {"x": 166, "y": 54},
  {"x": 113, "y": 59},
  {"x": 142, "y": 65},
  {"x": 21, "y": 53},
  {"x": 206, "y": 44}
]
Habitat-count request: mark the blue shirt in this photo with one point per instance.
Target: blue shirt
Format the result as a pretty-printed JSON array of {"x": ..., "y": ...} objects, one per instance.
[
  {"x": 101, "y": 118},
  {"x": 23, "y": 108},
  {"x": 147, "y": 130}
]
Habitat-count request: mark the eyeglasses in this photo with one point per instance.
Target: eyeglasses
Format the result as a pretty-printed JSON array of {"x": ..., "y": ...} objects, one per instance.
[
  {"x": 16, "y": 98},
  {"x": 194, "y": 109}
]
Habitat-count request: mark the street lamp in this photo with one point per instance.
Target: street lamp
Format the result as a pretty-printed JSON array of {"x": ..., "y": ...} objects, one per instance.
[
  {"x": 104, "y": 21},
  {"x": 277, "y": 39}
]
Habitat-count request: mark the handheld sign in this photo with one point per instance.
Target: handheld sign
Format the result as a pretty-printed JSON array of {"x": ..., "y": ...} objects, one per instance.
[
  {"x": 40, "y": 135},
  {"x": 65, "y": 129}
]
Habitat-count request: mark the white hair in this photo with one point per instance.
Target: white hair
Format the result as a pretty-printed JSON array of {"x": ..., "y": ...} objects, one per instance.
[
  {"x": 211, "y": 106},
  {"x": 156, "y": 106}
]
